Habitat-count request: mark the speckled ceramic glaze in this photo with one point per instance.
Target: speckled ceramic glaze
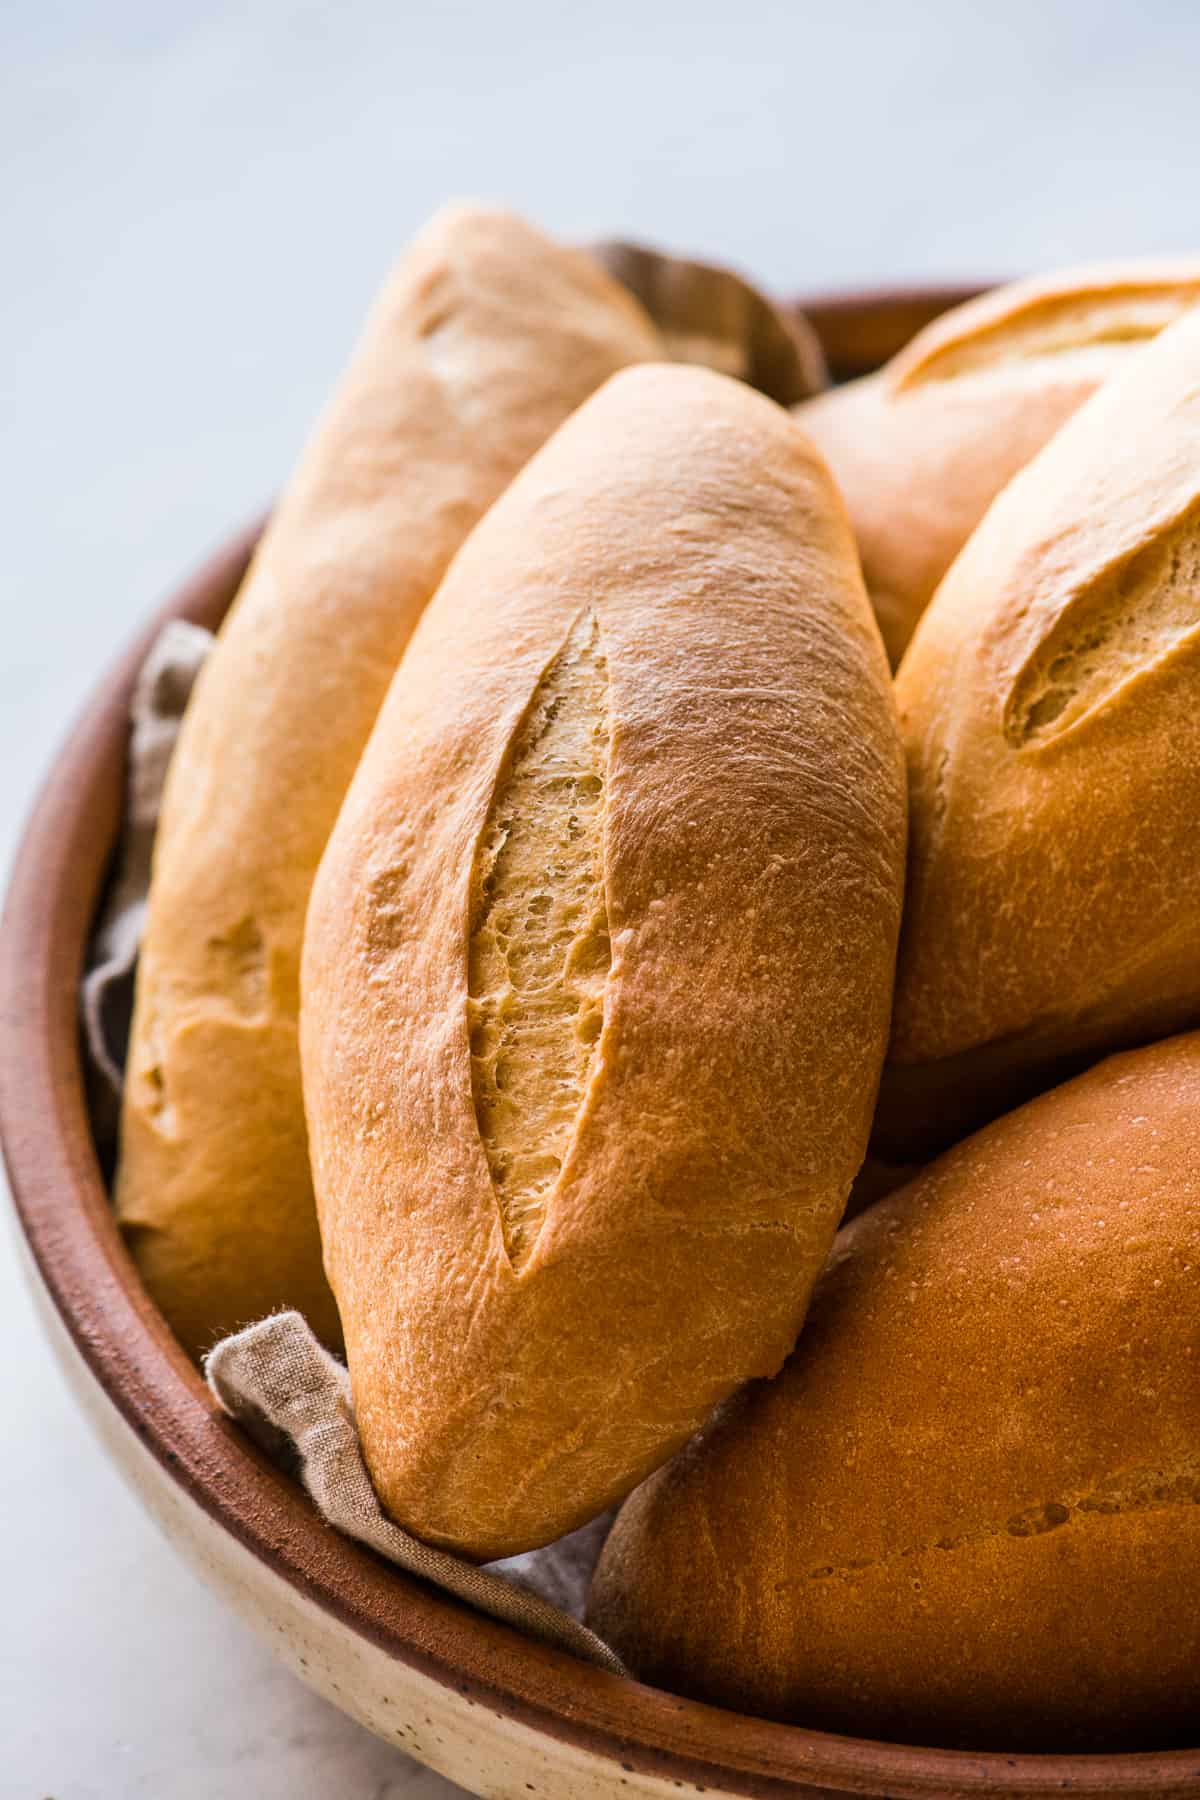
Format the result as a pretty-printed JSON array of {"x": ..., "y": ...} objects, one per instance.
[{"x": 494, "y": 1711}]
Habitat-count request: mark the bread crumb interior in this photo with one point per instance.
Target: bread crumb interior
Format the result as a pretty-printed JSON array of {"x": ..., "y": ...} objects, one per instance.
[{"x": 539, "y": 953}]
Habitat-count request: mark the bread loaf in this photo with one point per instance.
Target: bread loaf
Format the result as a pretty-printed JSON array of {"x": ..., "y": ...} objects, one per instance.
[
  {"x": 484, "y": 339},
  {"x": 966, "y": 1512},
  {"x": 922, "y": 449},
  {"x": 1051, "y": 712},
  {"x": 598, "y": 964}
]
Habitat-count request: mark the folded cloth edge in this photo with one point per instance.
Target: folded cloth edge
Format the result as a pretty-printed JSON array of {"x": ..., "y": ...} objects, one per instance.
[{"x": 277, "y": 1381}]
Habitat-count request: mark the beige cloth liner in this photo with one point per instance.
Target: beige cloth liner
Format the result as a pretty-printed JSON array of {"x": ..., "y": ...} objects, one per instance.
[
  {"x": 275, "y": 1378},
  {"x": 161, "y": 691}
]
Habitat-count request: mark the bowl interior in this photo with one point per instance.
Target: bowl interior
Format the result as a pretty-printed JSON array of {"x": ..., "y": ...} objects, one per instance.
[{"x": 64, "y": 1212}]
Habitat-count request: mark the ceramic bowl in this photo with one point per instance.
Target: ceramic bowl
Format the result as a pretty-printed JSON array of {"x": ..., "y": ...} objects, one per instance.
[{"x": 494, "y": 1711}]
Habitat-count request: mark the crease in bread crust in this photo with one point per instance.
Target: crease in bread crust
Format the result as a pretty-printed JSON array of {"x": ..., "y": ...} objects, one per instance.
[
  {"x": 1126, "y": 621},
  {"x": 1141, "y": 1490},
  {"x": 1052, "y": 326},
  {"x": 539, "y": 952},
  {"x": 146, "y": 1074},
  {"x": 236, "y": 986}
]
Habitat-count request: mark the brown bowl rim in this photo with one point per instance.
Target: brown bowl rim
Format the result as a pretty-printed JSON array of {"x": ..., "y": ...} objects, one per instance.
[{"x": 64, "y": 1213}]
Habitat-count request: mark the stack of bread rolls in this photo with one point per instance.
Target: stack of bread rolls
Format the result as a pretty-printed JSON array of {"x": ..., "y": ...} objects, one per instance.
[{"x": 528, "y": 909}]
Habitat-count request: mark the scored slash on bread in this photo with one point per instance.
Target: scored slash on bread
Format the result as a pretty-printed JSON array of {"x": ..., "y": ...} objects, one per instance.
[
  {"x": 1050, "y": 705},
  {"x": 921, "y": 449}
]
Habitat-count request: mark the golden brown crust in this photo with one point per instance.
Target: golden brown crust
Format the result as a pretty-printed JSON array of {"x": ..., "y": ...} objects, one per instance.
[
  {"x": 922, "y": 449},
  {"x": 1050, "y": 704},
  {"x": 966, "y": 1512},
  {"x": 752, "y": 860},
  {"x": 484, "y": 339}
]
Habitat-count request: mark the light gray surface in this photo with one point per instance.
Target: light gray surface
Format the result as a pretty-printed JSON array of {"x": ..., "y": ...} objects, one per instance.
[{"x": 194, "y": 207}]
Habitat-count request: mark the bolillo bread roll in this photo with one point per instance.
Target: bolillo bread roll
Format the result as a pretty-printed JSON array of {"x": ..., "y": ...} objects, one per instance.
[
  {"x": 921, "y": 450},
  {"x": 966, "y": 1512},
  {"x": 598, "y": 964},
  {"x": 484, "y": 339},
  {"x": 1050, "y": 705}
]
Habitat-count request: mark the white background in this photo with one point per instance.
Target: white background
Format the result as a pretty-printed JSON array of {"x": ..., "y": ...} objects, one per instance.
[{"x": 195, "y": 205}]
